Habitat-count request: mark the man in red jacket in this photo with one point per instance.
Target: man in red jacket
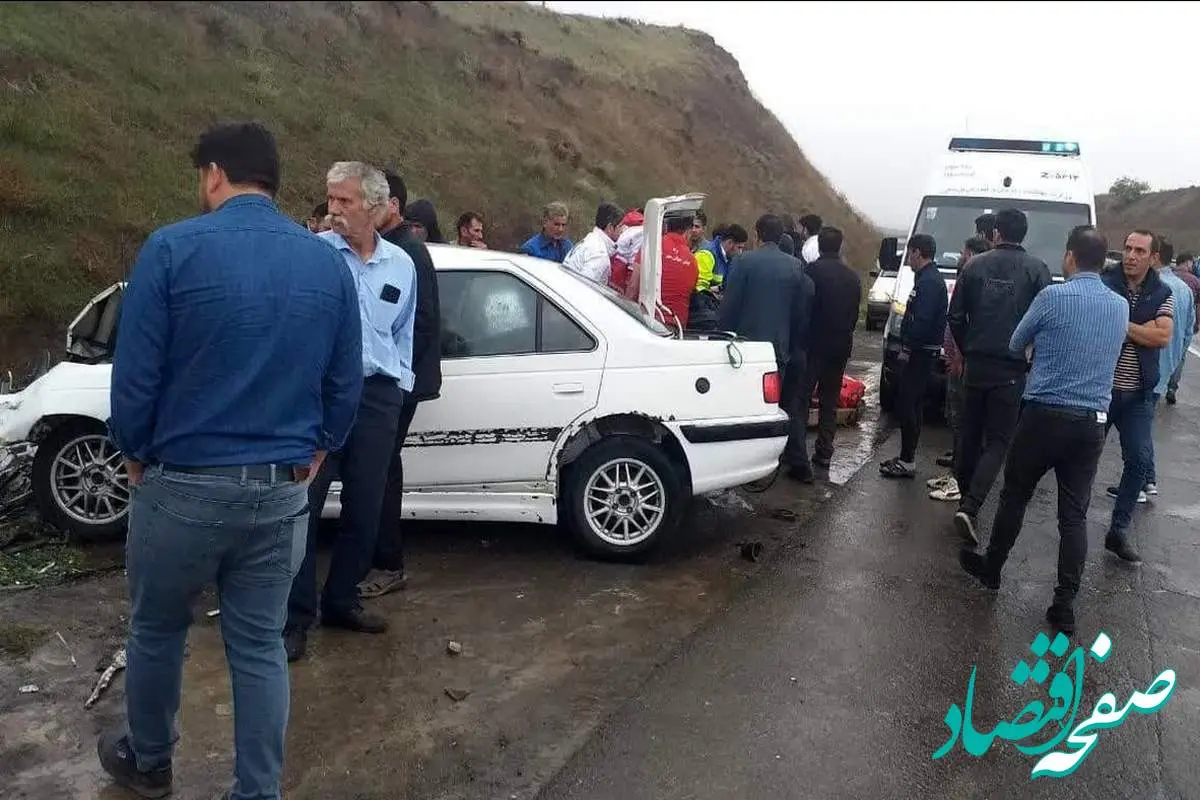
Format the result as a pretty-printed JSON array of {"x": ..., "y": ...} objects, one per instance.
[{"x": 679, "y": 272}]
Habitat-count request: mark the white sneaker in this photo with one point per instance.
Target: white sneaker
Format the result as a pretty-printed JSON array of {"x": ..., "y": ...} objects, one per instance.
[
  {"x": 940, "y": 481},
  {"x": 1152, "y": 489},
  {"x": 947, "y": 493}
]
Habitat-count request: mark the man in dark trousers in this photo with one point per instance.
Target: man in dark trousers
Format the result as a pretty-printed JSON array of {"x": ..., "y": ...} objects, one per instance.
[
  {"x": 920, "y": 344},
  {"x": 1077, "y": 329},
  {"x": 991, "y": 296},
  {"x": 387, "y": 567},
  {"x": 830, "y": 339},
  {"x": 1151, "y": 321},
  {"x": 767, "y": 299},
  {"x": 237, "y": 368},
  {"x": 386, "y": 283}
]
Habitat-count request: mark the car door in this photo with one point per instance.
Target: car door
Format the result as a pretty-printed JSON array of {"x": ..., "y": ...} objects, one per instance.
[{"x": 516, "y": 370}]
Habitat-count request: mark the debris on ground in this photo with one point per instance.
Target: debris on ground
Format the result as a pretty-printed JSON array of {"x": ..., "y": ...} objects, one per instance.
[
  {"x": 729, "y": 500},
  {"x": 752, "y": 551},
  {"x": 66, "y": 646},
  {"x": 453, "y": 648},
  {"x": 784, "y": 515},
  {"x": 31, "y": 688},
  {"x": 117, "y": 664},
  {"x": 457, "y": 695}
]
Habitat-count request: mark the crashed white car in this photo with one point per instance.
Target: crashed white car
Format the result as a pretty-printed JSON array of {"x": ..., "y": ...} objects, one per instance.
[{"x": 561, "y": 401}]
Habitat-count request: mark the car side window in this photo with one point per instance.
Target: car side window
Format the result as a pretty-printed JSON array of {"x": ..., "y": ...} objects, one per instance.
[
  {"x": 560, "y": 333},
  {"x": 497, "y": 314}
]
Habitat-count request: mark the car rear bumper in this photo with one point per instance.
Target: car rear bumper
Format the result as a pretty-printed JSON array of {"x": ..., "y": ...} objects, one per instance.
[{"x": 722, "y": 454}]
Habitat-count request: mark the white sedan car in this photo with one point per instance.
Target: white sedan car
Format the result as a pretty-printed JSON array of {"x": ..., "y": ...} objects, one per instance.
[{"x": 561, "y": 402}]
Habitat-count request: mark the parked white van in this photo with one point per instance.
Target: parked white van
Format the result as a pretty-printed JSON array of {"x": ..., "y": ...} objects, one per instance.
[{"x": 1045, "y": 179}]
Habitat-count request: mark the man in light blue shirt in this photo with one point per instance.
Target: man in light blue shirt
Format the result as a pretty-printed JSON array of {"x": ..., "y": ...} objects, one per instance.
[
  {"x": 1176, "y": 350},
  {"x": 385, "y": 280},
  {"x": 1077, "y": 329}
]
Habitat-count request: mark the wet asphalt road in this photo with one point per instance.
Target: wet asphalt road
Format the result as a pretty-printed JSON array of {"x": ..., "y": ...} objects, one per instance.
[{"x": 830, "y": 676}]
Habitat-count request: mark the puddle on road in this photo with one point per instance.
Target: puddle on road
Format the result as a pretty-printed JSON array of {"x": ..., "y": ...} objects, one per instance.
[{"x": 855, "y": 444}]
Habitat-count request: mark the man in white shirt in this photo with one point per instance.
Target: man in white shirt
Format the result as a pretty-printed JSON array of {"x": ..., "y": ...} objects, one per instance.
[
  {"x": 810, "y": 225},
  {"x": 592, "y": 257}
]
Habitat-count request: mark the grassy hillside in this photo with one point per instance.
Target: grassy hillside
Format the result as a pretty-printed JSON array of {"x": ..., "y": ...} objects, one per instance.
[
  {"x": 495, "y": 107},
  {"x": 1175, "y": 213}
]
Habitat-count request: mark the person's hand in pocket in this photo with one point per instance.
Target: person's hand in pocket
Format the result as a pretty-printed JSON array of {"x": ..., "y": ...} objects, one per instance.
[
  {"x": 136, "y": 472},
  {"x": 306, "y": 474}
]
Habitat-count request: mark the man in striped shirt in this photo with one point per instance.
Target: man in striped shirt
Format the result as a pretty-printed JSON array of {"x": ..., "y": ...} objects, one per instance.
[
  {"x": 1077, "y": 330},
  {"x": 1151, "y": 308}
]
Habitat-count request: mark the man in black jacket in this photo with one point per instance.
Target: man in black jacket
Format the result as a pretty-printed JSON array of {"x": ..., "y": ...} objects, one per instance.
[
  {"x": 992, "y": 295},
  {"x": 387, "y": 573},
  {"x": 920, "y": 342},
  {"x": 768, "y": 298},
  {"x": 831, "y": 336},
  {"x": 1151, "y": 321}
]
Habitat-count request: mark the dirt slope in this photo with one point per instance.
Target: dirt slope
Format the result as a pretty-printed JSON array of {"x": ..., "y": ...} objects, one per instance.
[
  {"x": 495, "y": 107},
  {"x": 1175, "y": 212}
]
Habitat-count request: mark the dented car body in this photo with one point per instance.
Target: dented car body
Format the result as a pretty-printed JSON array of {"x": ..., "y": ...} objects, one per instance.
[{"x": 561, "y": 402}]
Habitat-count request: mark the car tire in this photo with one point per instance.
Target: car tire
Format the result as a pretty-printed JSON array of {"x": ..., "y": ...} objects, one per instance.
[
  {"x": 623, "y": 457},
  {"x": 887, "y": 393},
  {"x": 101, "y": 478}
]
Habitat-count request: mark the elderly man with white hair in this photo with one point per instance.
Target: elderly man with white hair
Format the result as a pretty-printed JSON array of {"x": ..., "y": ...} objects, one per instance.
[{"x": 385, "y": 278}]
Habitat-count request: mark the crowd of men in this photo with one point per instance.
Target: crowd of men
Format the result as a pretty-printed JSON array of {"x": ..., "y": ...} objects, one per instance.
[
  {"x": 258, "y": 360},
  {"x": 1038, "y": 372}
]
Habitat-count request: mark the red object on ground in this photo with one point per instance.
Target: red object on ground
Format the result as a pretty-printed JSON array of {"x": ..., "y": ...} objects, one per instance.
[{"x": 853, "y": 391}]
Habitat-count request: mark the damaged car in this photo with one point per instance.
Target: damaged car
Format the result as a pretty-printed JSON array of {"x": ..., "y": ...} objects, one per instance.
[{"x": 562, "y": 403}]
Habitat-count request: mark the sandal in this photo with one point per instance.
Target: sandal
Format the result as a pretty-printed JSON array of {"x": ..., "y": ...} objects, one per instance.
[
  {"x": 380, "y": 582},
  {"x": 896, "y": 469}
]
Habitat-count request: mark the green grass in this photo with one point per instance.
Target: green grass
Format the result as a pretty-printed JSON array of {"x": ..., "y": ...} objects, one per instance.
[
  {"x": 41, "y": 566},
  {"x": 100, "y": 104}
]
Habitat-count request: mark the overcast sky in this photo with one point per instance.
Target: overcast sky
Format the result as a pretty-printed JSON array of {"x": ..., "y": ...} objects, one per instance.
[{"x": 873, "y": 91}]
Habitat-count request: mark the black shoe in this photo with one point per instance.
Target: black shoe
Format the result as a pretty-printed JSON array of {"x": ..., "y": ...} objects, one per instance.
[
  {"x": 1170, "y": 397},
  {"x": 116, "y": 756},
  {"x": 1061, "y": 617},
  {"x": 801, "y": 474},
  {"x": 945, "y": 460},
  {"x": 965, "y": 524},
  {"x": 1120, "y": 545},
  {"x": 822, "y": 462},
  {"x": 357, "y": 620},
  {"x": 976, "y": 565},
  {"x": 295, "y": 643}
]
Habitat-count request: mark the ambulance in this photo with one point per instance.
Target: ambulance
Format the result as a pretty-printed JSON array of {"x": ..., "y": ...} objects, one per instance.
[{"x": 1046, "y": 179}]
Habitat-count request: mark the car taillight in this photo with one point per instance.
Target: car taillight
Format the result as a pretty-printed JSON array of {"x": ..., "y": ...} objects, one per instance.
[{"x": 771, "y": 387}]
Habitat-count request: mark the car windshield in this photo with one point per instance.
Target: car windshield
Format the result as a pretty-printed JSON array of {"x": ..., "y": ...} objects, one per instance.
[
  {"x": 625, "y": 304},
  {"x": 951, "y": 221}
]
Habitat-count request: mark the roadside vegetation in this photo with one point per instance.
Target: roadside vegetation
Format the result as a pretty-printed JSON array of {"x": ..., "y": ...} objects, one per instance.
[{"x": 494, "y": 107}]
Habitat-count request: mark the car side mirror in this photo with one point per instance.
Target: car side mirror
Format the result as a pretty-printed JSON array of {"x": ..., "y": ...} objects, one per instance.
[{"x": 888, "y": 257}]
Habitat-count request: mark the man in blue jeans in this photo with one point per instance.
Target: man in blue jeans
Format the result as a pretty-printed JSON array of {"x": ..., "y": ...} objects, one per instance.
[
  {"x": 1171, "y": 356},
  {"x": 238, "y": 366},
  {"x": 1151, "y": 308}
]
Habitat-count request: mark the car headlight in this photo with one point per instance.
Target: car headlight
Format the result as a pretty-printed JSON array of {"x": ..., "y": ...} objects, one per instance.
[
  {"x": 879, "y": 296},
  {"x": 898, "y": 308}
]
